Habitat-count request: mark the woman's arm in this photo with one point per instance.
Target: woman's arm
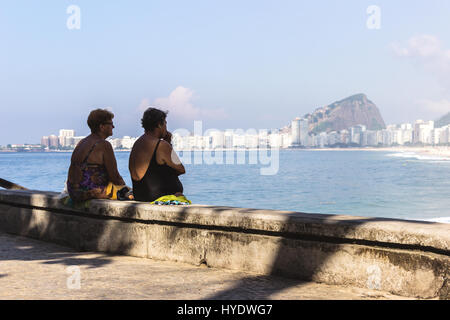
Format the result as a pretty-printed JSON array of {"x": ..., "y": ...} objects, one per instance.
[
  {"x": 110, "y": 163},
  {"x": 170, "y": 157}
]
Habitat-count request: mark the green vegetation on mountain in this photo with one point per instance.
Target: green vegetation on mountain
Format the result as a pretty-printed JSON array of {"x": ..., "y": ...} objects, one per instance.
[
  {"x": 323, "y": 126},
  {"x": 443, "y": 121},
  {"x": 346, "y": 113}
]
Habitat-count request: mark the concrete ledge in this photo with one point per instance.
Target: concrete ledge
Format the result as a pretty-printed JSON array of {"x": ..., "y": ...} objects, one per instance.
[{"x": 409, "y": 258}]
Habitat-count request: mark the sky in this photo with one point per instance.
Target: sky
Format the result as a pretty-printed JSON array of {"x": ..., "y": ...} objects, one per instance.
[{"x": 231, "y": 64}]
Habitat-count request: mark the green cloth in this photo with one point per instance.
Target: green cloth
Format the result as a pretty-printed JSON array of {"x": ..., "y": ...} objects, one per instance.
[
  {"x": 171, "y": 200},
  {"x": 68, "y": 202}
]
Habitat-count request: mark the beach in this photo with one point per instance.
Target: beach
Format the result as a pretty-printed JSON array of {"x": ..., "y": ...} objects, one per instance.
[{"x": 443, "y": 152}]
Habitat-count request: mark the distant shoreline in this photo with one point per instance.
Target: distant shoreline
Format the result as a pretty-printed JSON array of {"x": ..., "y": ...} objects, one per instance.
[
  {"x": 49, "y": 151},
  {"x": 438, "y": 151}
]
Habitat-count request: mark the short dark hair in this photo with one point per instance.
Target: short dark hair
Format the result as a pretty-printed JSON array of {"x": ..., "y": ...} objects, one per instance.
[
  {"x": 152, "y": 118},
  {"x": 98, "y": 117}
]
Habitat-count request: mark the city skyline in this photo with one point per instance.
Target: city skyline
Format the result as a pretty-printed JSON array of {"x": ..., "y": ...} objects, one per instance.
[
  {"x": 230, "y": 64},
  {"x": 86, "y": 132},
  {"x": 297, "y": 135}
]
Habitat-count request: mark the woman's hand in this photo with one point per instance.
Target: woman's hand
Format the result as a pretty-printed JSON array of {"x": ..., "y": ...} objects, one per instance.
[{"x": 168, "y": 137}]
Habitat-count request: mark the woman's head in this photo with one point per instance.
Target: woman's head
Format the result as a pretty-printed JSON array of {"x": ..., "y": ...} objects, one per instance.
[
  {"x": 154, "y": 119},
  {"x": 100, "y": 120}
]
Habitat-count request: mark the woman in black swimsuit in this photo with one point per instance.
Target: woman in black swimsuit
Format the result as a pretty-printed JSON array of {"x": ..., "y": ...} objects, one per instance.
[{"x": 154, "y": 166}]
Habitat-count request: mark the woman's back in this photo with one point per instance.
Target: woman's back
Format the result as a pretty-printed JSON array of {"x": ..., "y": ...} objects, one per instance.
[
  {"x": 93, "y": 164},
  {"x": 158, "y": 180},
  {"x": 88, "y": 177},
  {"x": 154, "y": 166},
  {"x": 85, "y": 153}
]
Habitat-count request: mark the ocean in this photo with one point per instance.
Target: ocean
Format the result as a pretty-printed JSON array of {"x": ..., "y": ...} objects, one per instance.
[{"x": 350, "y": 182}]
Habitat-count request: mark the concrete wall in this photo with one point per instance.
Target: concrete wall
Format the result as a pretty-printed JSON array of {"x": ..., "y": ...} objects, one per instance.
[{"x": 409, "y": 258}]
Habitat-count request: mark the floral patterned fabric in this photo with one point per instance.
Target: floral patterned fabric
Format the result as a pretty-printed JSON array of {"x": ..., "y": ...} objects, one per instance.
[{"x": 93, "y": 183}]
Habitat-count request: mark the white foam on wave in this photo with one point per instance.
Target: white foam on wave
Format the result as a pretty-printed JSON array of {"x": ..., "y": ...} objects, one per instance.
[
  {"x": 402, "y": 155},
  {"x": 440, "y": 220},
  {"x": 419, "y": 157}
]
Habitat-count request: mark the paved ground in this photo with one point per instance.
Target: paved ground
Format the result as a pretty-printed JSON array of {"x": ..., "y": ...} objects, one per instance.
[{"x": 31, "y": 269}]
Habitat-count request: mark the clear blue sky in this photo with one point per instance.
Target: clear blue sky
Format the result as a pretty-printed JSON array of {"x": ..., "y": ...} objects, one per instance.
[{"x": 232, "y": 64}]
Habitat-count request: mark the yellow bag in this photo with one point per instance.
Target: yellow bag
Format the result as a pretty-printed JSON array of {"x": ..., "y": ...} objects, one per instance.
[{"x": 111, "y": 190}]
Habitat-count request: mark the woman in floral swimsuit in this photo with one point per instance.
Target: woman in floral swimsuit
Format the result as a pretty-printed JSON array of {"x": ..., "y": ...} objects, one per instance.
[{"x": 93, "y": 164}]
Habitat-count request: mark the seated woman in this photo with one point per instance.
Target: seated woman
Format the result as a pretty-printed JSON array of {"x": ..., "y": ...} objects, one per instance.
[
  {"x": 93, "y": 168},
  {"x": 154, "y": 166}
]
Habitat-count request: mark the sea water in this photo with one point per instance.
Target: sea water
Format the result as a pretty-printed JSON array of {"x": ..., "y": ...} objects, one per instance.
[{"x": 351, "y": 182}]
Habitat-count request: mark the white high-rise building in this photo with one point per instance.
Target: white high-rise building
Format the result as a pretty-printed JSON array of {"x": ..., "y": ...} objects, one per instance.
[
  {"x": 228, "y": 139},
  {"x": 251, "y": 141},
  {"x": 177, "y": 141},
  {"x": 345, "y": 136},
  {"x": 304, "y": 129},
  {"x": 263, "y": 139},
  {"x": 115, "y": 143},
  {"x": 275, "y": 140},
  {"x": 45, "y": 141},
  {"x": 286, "y": 140},
  {"x": 320, "y": 140},
  {"x": 371, "y": 137},
  {"x": 406, "y": 126},
  {"x": 66, "y": 137},
  {"x": 295, "y": 132},
  {"x": 437, "y": 135},
  {"x": 386, "y": 137},
  {"x": 238, "y": 141},
  {"x": 423, "y": 131},
  {"x": 128, "y": 142},
  {"x": 76, "y": 140},
  {"x": 356, "y": 133},
  {"x": 417, "y": 125},
  {"x": 407, "y": 133},
  {"x": 198, "y": 142},
  {"x": 66, "y": 133},
  {"x": 364, "y": 138},
  {"x": 395, "y": 133},
  {"x": 446, "y": 134},
  {"x": 333, "y": 138},
  {"x": 441, "y": 135},
  {"x": 53, "y": 141},
  {"x": 218, "y": 139}
]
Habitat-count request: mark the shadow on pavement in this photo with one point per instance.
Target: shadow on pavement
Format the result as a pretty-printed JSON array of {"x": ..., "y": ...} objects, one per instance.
[{"x": 12, "y": 248}]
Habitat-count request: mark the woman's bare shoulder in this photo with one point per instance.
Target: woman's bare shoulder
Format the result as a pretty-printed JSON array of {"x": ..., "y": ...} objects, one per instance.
[
  {"x": 80, "y": 149},
  {"x": 104, "y": 144},
  {"x": 165, "y": 146},
  {"x": 143, "y": 144}
]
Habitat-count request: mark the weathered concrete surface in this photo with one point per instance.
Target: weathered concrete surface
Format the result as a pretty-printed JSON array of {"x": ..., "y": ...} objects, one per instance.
[
  {"x": 394, "y": 231},
  {"x": 31, "y": 269},
  {"x": 408, "y": 258}
]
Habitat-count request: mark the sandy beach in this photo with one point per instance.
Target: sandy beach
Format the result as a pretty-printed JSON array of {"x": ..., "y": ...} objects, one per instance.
[{"x": 443, "y": 152}]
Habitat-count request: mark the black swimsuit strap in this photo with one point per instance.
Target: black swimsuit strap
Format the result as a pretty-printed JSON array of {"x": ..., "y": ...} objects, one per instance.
[
  {"x": 90, "y": 151},
  {"x": 154, "y": 153}
]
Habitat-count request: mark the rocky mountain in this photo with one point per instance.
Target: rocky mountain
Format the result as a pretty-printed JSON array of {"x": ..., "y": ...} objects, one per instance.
[
  {"x": 443, "y": 121},
  {"x": 351, "y": 111}
]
